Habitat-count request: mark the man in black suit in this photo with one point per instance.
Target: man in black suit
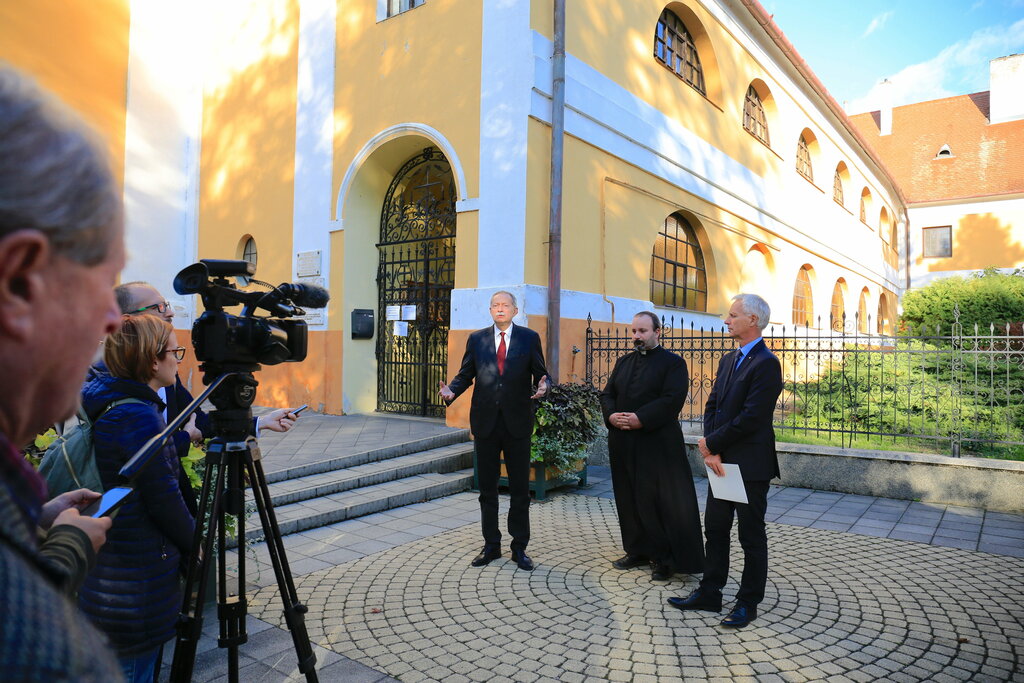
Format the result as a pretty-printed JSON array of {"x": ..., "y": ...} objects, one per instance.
[
  {"x": 738, "y": 429},
  {"x": 505, "y": 360}
]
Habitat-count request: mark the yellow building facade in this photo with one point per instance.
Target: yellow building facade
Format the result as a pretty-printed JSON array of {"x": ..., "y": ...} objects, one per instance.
[{"x": 398, "y": 153}]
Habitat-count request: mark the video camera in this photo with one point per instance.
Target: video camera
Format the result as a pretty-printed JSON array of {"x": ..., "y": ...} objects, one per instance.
[{"x": 222, "y": 338}]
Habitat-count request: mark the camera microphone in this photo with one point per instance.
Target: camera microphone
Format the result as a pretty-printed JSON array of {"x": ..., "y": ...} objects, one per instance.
[{"x": 305, "y": 295}]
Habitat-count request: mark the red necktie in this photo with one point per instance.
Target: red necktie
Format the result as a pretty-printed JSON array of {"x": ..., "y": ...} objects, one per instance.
[{"x": 501, "y": 355}]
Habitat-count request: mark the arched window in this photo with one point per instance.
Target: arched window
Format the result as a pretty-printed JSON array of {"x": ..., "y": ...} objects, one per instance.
[
  {"x": 862, "y": 312},
  {"x": 882, "y": 321},
  {"x": 249, "y": 251},
  {"x": 674, "y": 47},
  {"x": 838, "y": 304},
  {"x": 865, "y": 199},
  {"x": 837, "y": 186},
  {"x": 678, "y": 278},
  {"x": 803, "y": 159},
  {"x": 803, "y": 305},
  {"x": 754, "y": 120}
]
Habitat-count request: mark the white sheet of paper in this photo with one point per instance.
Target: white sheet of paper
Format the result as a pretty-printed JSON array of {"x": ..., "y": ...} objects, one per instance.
[
  {"x": 729, "y": 487},
  {"x": 409, "y": 312},
  {"x": 401, "y": 328},
  {"x": 393, "y": 312}
]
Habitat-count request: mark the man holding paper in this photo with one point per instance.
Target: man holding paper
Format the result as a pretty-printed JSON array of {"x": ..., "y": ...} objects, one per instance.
[{"x": 738, "y": 431}]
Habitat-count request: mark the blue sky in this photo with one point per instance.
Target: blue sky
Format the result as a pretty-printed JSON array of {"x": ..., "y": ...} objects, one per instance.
[{"x": 927, "y": 49}]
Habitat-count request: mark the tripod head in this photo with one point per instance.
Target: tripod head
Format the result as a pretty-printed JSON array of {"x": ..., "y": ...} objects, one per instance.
[{"x": 232, "y": 399}]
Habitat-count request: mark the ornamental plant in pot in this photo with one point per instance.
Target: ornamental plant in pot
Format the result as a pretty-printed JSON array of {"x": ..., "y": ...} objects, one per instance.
[{"x": 568, "y": 420}]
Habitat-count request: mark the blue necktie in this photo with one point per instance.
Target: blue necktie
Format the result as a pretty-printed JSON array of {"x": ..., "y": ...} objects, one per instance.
[{"x": 742, "y": 356}]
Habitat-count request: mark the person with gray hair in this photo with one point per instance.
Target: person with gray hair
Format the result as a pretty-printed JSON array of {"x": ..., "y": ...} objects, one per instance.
[
  {"x": 738, "y": 430},
  {"x": 61, "y": 249}
]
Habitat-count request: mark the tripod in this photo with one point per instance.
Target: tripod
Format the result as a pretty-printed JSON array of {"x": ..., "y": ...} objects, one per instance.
[{"x": 236, "y": 455}]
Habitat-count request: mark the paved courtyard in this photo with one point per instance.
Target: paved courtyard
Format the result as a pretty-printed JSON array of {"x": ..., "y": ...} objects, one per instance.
[
  {"x": 860, "y": 589},
  {"x": 840, "y": 606}
]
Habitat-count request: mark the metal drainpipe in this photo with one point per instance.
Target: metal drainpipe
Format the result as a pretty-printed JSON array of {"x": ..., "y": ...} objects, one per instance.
[{"x": 555, "y": 214}]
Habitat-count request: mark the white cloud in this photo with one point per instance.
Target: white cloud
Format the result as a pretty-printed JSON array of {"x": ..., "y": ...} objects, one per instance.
[
  {"x": 960, "y": 68},
  {"x": 877, "y": 23}
]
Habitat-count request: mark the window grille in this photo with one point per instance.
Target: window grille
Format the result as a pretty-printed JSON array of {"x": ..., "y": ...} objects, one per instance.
[
  {"x": 678, "y": 277},
  {"x": 837, "y": 188},
  {"x": 838, "y": 307},
  {"x": 754, "y": 120},
  {"x": 674, "y": 47},
  {"x": 938, "y": 241},
  {"x": 803, "y": 159}
]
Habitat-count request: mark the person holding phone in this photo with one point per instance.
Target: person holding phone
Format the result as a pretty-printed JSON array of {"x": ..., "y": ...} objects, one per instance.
[{"x": 133, "y": 594}]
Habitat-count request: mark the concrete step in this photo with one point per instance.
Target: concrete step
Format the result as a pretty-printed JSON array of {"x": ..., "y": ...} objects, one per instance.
[
  {"x": 329, "y": 464},
  {"x": 347, "y": 504},
  {"x": 439, "y": 460}
]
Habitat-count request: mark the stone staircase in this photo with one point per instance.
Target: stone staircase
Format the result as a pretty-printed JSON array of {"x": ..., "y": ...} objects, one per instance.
[{"x": 356, "y": 484}]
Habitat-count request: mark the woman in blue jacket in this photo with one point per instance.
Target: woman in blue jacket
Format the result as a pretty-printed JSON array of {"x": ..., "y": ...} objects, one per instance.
[{"x": 133, "y": 593}]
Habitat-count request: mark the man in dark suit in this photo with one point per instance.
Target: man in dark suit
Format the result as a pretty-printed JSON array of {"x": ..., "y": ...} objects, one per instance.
[
  {"x": 504, "y": 360},
  {"x": 738, "y": 429}
]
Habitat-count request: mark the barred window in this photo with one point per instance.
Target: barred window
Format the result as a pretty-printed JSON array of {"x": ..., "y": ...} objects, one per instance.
[
  {"x": 803, "y": 305},
  {"x": 864, "y": 206},
  {"x": 838, "y": 306},
  {"x": 678, "y": 277},
  {"x": 938, "y": 242},
  {"x": 837, "y": 188},
  {"x": 674, "y": 47},
  {"x": 882, "y": 321},
  {"x": 893, "y": 236},
  {"x": 754, "y": 120},
  {"x": 803, "y": 159},
  {"x": 399, "y": 6}
]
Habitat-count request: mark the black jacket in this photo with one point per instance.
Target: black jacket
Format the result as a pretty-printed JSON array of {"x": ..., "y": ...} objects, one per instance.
[
  {"x": 508, "y": 393},
  {"x": 738, "y": 414}
]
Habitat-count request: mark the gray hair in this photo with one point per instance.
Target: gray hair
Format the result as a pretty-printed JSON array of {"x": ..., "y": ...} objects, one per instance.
[
  {"x": 510, "y": 295},
  {"x": 125, "y": 295},
  {"x": 54, "y": 175},
  {"x": 752, "y": 304}
]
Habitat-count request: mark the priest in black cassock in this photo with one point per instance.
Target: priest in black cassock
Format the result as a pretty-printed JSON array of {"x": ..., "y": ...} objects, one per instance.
[{"x": 651, "y": 476}]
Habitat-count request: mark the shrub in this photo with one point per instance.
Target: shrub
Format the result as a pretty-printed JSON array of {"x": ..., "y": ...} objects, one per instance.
[
  {"x": 568, "y": 421},
  {"x": 987, "y": 298}
]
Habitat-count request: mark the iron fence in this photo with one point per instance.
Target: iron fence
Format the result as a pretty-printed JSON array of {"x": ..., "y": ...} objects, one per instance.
[{"x": 941, "y": 391}]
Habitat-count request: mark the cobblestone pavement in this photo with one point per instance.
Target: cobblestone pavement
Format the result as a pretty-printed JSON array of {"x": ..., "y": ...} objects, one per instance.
[{"x": 839, "y": 606}]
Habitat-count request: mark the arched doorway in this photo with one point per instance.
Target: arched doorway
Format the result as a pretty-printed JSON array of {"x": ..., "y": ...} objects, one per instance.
[{"x": 415, "y": 276}]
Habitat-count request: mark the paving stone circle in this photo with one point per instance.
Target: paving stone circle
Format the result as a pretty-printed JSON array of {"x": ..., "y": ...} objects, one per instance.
[{"x": 839, "y": 607}]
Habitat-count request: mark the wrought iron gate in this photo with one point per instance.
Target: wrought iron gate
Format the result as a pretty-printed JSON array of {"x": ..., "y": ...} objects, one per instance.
[{"x": 415, "y": 276}]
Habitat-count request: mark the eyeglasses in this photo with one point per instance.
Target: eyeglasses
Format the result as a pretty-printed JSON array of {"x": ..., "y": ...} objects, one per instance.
[
  {"x": 160, "y": 308},
  {"x": 179, "y": 353}
]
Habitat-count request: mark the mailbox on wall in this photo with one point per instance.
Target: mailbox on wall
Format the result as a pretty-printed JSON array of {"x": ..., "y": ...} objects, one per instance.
[{"x": 362, "y": 323}]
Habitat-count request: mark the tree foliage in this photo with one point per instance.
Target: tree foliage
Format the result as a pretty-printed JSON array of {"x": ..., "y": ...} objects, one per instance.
[{"x": 990, "y": 297}]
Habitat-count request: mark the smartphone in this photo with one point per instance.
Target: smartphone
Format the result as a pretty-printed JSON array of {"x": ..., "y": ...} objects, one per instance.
[
  {"x": 300, "y": 409},
  {"x": 108, "y": 504}
]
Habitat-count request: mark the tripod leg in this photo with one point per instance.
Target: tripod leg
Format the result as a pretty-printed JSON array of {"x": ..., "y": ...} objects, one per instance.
[
  {"x": 190, "y": 621},
  {"x": 293, "y": 609},
  {"x": 231, "y": 609}
]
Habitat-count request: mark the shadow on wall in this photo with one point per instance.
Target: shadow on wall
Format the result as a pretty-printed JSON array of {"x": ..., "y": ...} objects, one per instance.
[{"x": 980, "y": 241}]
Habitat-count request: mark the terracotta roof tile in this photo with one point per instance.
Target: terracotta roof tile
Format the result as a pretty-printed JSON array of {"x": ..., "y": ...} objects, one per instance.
[{"x": 987, "y": 159}]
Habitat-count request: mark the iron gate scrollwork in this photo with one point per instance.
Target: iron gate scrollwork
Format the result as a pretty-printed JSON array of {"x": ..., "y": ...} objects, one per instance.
[{"x": 416, "y": 269}]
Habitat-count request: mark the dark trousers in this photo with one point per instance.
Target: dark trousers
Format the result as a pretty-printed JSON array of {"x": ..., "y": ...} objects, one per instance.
[
  {"x": 517, "y": 465},
  {"x": 718, "y": 516}
]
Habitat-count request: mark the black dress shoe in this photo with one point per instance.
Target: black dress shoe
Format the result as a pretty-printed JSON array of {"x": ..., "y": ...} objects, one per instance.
[
  {"x": 485, "y": 557},
  {"x": 628, "y": 561},
  {"x": 740, "y": 616},
  {"x": 662, "y": 572},
  {"x": 522, "y": 560},
  {"x": 698, "y": 600}
]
